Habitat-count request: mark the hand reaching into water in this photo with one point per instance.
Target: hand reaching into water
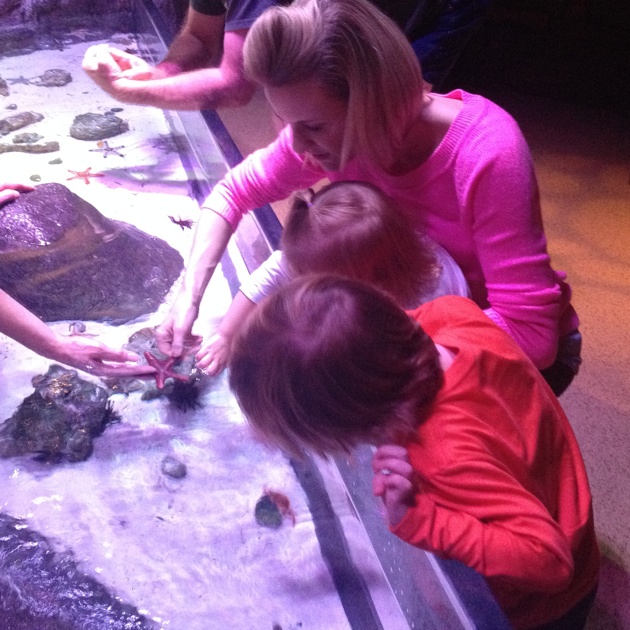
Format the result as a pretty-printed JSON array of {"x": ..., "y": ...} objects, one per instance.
[{"x": 214, "y": 354}]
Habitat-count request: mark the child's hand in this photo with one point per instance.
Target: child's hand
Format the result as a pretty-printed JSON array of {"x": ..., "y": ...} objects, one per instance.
[
  {"x": 393, "y": 481},
  {"x": 213, "y": 355}
]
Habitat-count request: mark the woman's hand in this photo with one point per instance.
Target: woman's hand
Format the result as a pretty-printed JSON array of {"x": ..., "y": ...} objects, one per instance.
[
  {"x": 94, "y": 357},
  {"x": 173, "y": 335},
  {"x": 393, "y": 481}
]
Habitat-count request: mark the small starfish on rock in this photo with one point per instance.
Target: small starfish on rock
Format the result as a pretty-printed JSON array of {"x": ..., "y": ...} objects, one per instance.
[
  {"x": 164, "y": 369},
  {"x": 105, "y": 149},
  {"x": 84, "y": 175}
]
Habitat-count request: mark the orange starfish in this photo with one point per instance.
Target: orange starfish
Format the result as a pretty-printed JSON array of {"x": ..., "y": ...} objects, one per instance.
[
  {"x": 164, "y": 369},
  {"x": 84, "y": 175}
]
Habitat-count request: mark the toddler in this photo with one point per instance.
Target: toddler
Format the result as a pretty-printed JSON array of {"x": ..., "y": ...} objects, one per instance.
[{"x": 351, "y": 229}]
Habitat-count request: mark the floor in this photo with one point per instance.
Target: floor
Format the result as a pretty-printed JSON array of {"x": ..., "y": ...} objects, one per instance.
[{"x": 582, "y": 156}]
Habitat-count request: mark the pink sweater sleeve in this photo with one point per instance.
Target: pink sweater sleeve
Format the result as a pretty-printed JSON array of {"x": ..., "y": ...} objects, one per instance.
[
  {"x": 502, "y": 212},
  {"x": 267, "y": 175}
]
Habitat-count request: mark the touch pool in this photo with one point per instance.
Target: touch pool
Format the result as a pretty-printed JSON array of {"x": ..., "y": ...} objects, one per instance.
[{"x": 119, "y": 540}]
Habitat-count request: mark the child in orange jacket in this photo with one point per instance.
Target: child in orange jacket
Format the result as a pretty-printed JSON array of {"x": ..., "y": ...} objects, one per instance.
[{"x": 476, "y": 460}]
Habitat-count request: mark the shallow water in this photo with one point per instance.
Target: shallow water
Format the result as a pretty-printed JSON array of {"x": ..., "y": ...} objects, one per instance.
[{"x": 186, "y": 553}]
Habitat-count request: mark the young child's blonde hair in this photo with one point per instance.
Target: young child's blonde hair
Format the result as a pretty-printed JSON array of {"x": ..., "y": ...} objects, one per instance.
[
  {"x": 352, "y": 229},
  {"x": 356, "y": 54},
  {"x": 327, "y": 363}
]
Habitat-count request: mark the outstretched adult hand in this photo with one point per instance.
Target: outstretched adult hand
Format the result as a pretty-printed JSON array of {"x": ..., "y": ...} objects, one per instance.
[
  {"x": 173, "y": 335},
  {"x": 113, "y": 70},
  {"x": 94, "y": 357}
]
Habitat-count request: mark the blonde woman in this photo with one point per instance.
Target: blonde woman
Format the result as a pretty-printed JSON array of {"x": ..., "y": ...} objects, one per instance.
[{"x": 348, "y": 91}]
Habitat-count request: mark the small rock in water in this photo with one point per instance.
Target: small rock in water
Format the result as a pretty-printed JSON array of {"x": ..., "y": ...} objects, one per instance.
[
  {"x": 35, "y": 178},
  {"x": 56, "y": 77},
  {"x": 267, "y": 513},
  {"x": 56, "y": 161},
  {"x": 92, "y": 126},
  {"x": 46, "y": 147},
  {"x": 17, "y": 121},
  {"x": 12, "y": 106},
  {"x": 26, "y": 138},
  {"x": 173, "y": 468}
]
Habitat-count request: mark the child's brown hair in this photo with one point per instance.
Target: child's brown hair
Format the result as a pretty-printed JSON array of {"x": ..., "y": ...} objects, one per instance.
[
  {"x": 328, "y": 362},
  {"x": 352, "y": 229}
]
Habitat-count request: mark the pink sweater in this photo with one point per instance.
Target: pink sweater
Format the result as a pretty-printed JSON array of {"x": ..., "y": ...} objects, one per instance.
[{"x": 476, "y": 195}]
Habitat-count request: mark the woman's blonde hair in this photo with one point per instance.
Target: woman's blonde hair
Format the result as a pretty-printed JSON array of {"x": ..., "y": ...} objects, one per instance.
[
  {"x": 352, "y": 229},
  {"x": 356, "y": 53},
  {"x": 327, "y": 363}
]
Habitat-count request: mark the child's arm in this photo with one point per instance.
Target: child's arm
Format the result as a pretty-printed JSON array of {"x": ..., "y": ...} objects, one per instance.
[
  {"x": 213, "y": 355},
  {"x": 477, "y": 513},
  {"x": 269, "y": 277}
]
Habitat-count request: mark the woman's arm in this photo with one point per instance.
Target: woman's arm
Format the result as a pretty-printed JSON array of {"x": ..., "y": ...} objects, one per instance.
[
  {"x": 266, "y": 175},
  {"x": 82, "y": 353},
  {"x": 212, "y": 234}
]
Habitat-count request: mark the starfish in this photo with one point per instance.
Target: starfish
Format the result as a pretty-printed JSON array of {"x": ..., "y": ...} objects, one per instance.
[
  {"x": 105, "y": 149},
  {"x": 84, "y": 175},
  {"x": 164, "y": 369}
]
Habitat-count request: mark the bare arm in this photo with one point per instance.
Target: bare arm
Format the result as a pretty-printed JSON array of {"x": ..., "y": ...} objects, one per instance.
[
  {"x": 202, "y": 70},
  {"x": 82, "y": 353},
  {"x": 211, "y": 238}
]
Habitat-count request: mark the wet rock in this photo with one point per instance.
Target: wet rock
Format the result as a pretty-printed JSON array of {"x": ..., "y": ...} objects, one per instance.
[
  {"x": 12, "y": 106},
  {"x": 4, "y": 87},
  {"x": 35, "y": 178},
  {"x": 97, "y": 126},
  {"x": 12, "y": 123},
  {"x": 267, "y": 513},
  {"x": 26, "y": 138},
  {"x": 173, "y": 468},
  {"x": 59, "y": 420},
  {"x": 55, "y": 77},
  {"x": 63, "y": 260},
  {"x": 45, "y": 590},
  {"x": 56, "y": 161},
  {"x": 46, "y": 147}
]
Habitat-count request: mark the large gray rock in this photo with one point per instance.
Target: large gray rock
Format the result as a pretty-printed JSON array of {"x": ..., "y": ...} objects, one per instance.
[{"x": 63, "y": 260}]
